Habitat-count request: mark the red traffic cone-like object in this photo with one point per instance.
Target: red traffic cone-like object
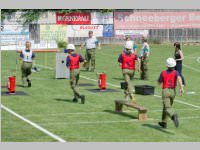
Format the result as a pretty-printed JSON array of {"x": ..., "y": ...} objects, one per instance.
[
  {"x": 11, "y": 84},
  {"x": 102, "y": 81}
]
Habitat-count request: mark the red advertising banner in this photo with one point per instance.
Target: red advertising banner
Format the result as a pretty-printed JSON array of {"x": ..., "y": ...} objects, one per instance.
[
  {"x": 73, "y": 18},
  {"x": 156, "y": 20}
]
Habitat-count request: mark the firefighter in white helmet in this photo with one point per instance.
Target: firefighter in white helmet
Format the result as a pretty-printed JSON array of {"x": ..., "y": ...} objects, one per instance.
[
  {"x": 127, "y": 60},
  {"x": 168, "y": 78},
  {"x": 133, "y": 50},
  {"x": 73, "y": 61}
]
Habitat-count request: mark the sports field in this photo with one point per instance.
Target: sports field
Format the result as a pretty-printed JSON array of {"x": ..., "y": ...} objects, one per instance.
[{"x": 48, "y": 105}]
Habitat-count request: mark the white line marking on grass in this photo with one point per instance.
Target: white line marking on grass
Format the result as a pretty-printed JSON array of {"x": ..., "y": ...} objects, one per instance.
[
  {"x": 157, "y": 96},
  {"x": 191, "y": 93},
  {"x": 77, "y": 114},
  {"x": 84, "y": 77},
  {"x": 160, "y": 96},
  {"x": 187, "y": 104},
  {"x": 154, "y": 95},
  {"x": 46, "y": 67},
  {"x": 181, "y": 102},
  {"x": 191, "y": 68},
  {"x": 33, "y": 124},
  {"x": 96, "y": 122},
  {"x": 198, "y": 59},
  {"x": 187, "y": 118},
  {"x": 112, "y": 121}
]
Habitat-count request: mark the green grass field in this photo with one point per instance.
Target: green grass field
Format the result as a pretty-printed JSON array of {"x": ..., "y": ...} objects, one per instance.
[{"x": 49, "y": 105}]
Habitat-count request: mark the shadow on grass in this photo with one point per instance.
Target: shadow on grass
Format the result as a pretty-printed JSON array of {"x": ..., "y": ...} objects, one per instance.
[
  {"x": 136, "y": 78},
  {"x": 156, "y": 127},
  {"x": 83, "y": 70},
  {"x": 121, "y": 114},
  {"x": 122, "y": 79},
  {"x": 4, "y": 86},
  {"x": 65, "y": 100},
  {"x": 17, "y": 93},
  {"x": 19, "y": 85}
]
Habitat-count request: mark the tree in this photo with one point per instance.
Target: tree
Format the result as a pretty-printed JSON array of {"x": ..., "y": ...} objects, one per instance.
[
  {"x": 31, "y": 15},
  {"x": 5, "y": 12}
]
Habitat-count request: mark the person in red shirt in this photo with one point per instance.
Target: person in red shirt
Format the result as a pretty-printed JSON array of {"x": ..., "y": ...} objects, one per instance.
[
  {"x": 73, "y": 61},
  {"x": 127, "y": 60},
  {"x": 169, "y": 78}
]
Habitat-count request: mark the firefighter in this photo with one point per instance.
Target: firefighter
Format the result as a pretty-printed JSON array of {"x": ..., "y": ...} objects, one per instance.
[
  {"x": 133, "y": 50},
  {"x": 73, "y": 61},
  {"x": 127, "y": 60},
  {"x": 27, "y": 56},
  {"x": 145, "y": 51},
  {"x": 168, "y": 78}
]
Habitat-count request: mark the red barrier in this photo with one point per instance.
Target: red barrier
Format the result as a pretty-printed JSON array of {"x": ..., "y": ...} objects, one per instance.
[{"x": 11, "y": 84}]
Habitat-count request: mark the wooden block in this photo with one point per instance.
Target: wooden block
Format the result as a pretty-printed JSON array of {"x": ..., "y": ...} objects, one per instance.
[
  {"x": 118, "y": 106},
  {"x": 142, "y": 111},
  {"x": 142, "y": 115}
]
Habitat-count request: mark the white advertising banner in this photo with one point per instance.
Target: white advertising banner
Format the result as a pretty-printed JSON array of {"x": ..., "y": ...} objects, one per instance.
[
  {"x": 14, "y": 30},
  {"x": 13, "y": 39},
  {"x": 12, "y": 35},
  {"x": 132, "y": 33},
  {"x": 13, "y": 42},
  {"x": 19, "y": 44},
  {"x": 9, "y": 47},
  {"x": 101, "y": 18},
  {"x": 53, "y": 32},
  {"x": 13, "y": 19},
  {"x": 82, "y": 30},
  {"x": 156, "y": 20}
]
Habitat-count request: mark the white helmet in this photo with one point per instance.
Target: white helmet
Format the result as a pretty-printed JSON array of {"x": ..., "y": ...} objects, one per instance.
[
  {"x": 71, "y": 46},
  {"x": 129, "y": 45},
  {"x": 170, "y": 62}
]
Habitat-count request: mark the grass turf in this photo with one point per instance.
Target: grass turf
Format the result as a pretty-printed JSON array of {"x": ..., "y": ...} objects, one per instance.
[{"x": 49, "y": 103}]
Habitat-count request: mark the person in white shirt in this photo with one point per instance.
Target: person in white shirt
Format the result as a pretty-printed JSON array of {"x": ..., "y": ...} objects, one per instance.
[
  {"x": 27, "y": 56},
  {"x": 134, "y": 48},
  {"x": 90, "y": 45}
]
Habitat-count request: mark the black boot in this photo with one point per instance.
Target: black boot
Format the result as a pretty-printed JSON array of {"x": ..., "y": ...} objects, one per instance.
[
  {"x": 75, "y": 100},
  {"x": 82, "y": 99},
  {"x": 29, "y": 83},
  {"x": 162, "y": 124},
  {"x": 175, "y": 120}
]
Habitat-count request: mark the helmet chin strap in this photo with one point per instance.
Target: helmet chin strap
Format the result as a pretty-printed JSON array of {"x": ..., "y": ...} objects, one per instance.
[{"x": 128, "y": 51}]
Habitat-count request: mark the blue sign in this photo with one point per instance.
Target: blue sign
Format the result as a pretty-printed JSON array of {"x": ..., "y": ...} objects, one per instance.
[{"x": 107, "y": 30}]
